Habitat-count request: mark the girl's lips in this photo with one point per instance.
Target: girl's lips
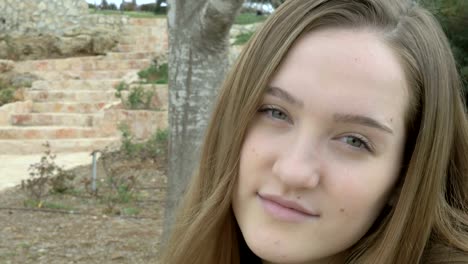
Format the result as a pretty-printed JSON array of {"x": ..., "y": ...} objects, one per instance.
[{"x": 284, "y": 209}]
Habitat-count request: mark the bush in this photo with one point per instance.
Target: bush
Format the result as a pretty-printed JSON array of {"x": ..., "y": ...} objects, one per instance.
[
  {"x": 152, "y": 148},
  {"x": 153, "y": 8},
  {"x": 138, "y": 98},
  {"x": 248, "y": 18},
  {"x": 243, "y": 38},
  {"x": 453, "y": 14},
  {"x": 128, "y": 7},
  {"x": 155, "y": 74},
  {"x": 46, "y": 177},
  {"x": 7, "y": 93},
  {"x": 148, "y": 7}
]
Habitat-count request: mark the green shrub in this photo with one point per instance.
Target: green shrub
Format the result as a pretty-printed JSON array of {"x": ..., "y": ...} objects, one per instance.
[
  {"x": 153, "y": 148},
  {"x": 154, "y": 74},
  {"x": 157, "y": 144},
  {"x": 138, "y": 98},
  {"x": 122, "y": 86},
  {"x": 151, "y": 7},
  {"x": 7, "y": 95},
  {"x": 452, "y": 15},
  {"x": 128, "y": 147},
  {"x": 133, "y": 14},
  {"x": 243, "y": 38},
  {"x": 248, "y": 18}
]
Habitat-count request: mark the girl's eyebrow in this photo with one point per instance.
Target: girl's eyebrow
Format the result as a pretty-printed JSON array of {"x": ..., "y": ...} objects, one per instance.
[
  {"x": 282, "y": 94},
  {"x": 344, "y": 118},
  {"x": 362, "y": 120}
]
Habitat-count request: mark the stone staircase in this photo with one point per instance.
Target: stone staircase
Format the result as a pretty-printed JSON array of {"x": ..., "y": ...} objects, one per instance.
[{"x": 69, "y": 106}]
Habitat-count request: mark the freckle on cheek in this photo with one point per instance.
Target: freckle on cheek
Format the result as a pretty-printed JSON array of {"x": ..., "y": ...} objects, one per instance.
[
  {"x": 299, "y": 197},
  {"x": 342, "y": 210},
  {"x": 277, "y": 242}
]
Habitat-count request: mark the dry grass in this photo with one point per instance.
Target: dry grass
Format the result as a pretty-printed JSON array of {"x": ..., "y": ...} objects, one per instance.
[{"x": 77, "y": 227}]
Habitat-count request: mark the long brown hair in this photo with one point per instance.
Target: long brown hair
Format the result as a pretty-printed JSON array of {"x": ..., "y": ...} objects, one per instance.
[{"x": 429, "y": 221}]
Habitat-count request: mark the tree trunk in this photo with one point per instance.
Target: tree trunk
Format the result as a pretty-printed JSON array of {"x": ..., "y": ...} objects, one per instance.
[{"x": 198, "y": 61}]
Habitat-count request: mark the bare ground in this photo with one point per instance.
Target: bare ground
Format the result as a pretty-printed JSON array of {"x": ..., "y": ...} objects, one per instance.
[{"x": 79, "y": 227}]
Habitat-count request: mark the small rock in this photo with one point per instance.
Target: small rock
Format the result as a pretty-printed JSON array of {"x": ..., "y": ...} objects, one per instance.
[
  {"x": 116, "y": 256},
  {"x": 131, "y": 77},
  {"x": 6, "y": 65}
]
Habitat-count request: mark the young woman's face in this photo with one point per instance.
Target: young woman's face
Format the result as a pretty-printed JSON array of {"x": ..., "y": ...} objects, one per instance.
[{"x": 322, "y": 156}]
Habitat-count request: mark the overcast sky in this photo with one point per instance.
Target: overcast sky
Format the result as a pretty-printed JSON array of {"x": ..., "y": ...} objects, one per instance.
[{"x": 118, "y": 2}]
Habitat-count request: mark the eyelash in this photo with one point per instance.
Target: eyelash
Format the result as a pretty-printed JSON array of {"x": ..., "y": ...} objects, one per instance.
[
  {"x": 364, "y": 141},
  {"x": 268, "y": 109}
]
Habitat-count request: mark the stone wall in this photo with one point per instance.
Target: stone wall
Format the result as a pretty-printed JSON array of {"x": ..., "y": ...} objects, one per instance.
[
  {"x": 35, "y": 29},
  {"x": 48, "y": 17},
  {"x": 40, "y": 16}
]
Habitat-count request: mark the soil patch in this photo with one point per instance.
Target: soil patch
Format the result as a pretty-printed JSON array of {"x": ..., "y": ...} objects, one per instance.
[{"x": 78, "y": 226}]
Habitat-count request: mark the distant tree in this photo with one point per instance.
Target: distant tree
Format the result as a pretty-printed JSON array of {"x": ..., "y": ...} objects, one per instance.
[
  {"x": 128, "y": 6},
  {"x": 158, "y": 8},
  {"x": 453, "y": 16},
  {"x": 277, "y": 3},
  {"x": 104, "y": 4}
]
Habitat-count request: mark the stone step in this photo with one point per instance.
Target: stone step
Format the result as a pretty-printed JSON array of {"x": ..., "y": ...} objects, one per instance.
[
  {"x": 70, "y": 95},
  {"x": 142, "y": 40},
  {"x": 130, "y": 30},
  {"x": 135, "y": 47},
  {"x": 56, "y": 119},
  {"x": 45, "y": 64},
  {"x": 131, "y": 55},
  {"x": 68, "y": 107},
  {"x": 53, "y": 132},
  {"x": 32, "y": 146},
  {"x": 146, "y": 21},
  {"x": 82, "y": 75},
  {"x": 75, "y": 84},
  {"x": 97, "y": 64}
]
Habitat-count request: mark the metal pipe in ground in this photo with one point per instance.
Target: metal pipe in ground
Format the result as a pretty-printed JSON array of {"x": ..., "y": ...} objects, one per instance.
[{"x": 94, "y": 175}]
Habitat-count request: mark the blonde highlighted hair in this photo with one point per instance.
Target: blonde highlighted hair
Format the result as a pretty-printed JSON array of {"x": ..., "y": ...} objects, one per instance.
[{"x": 429, "y": 221}]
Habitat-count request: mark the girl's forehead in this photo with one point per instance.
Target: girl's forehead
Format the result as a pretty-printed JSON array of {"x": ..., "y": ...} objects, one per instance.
[
  {"x": 353, "y": 51},
  {"x": 350, "y": 71}
]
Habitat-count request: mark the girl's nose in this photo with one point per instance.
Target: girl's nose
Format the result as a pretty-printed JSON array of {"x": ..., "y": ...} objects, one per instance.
[{"x": 298, "y": 166}]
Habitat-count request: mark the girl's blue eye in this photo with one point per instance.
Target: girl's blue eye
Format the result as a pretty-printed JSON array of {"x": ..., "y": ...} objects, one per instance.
[
  {"x": 357, "y": 142},
  {"x": 274, "y": 113},
  {"x": 278, "y": 114}
]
